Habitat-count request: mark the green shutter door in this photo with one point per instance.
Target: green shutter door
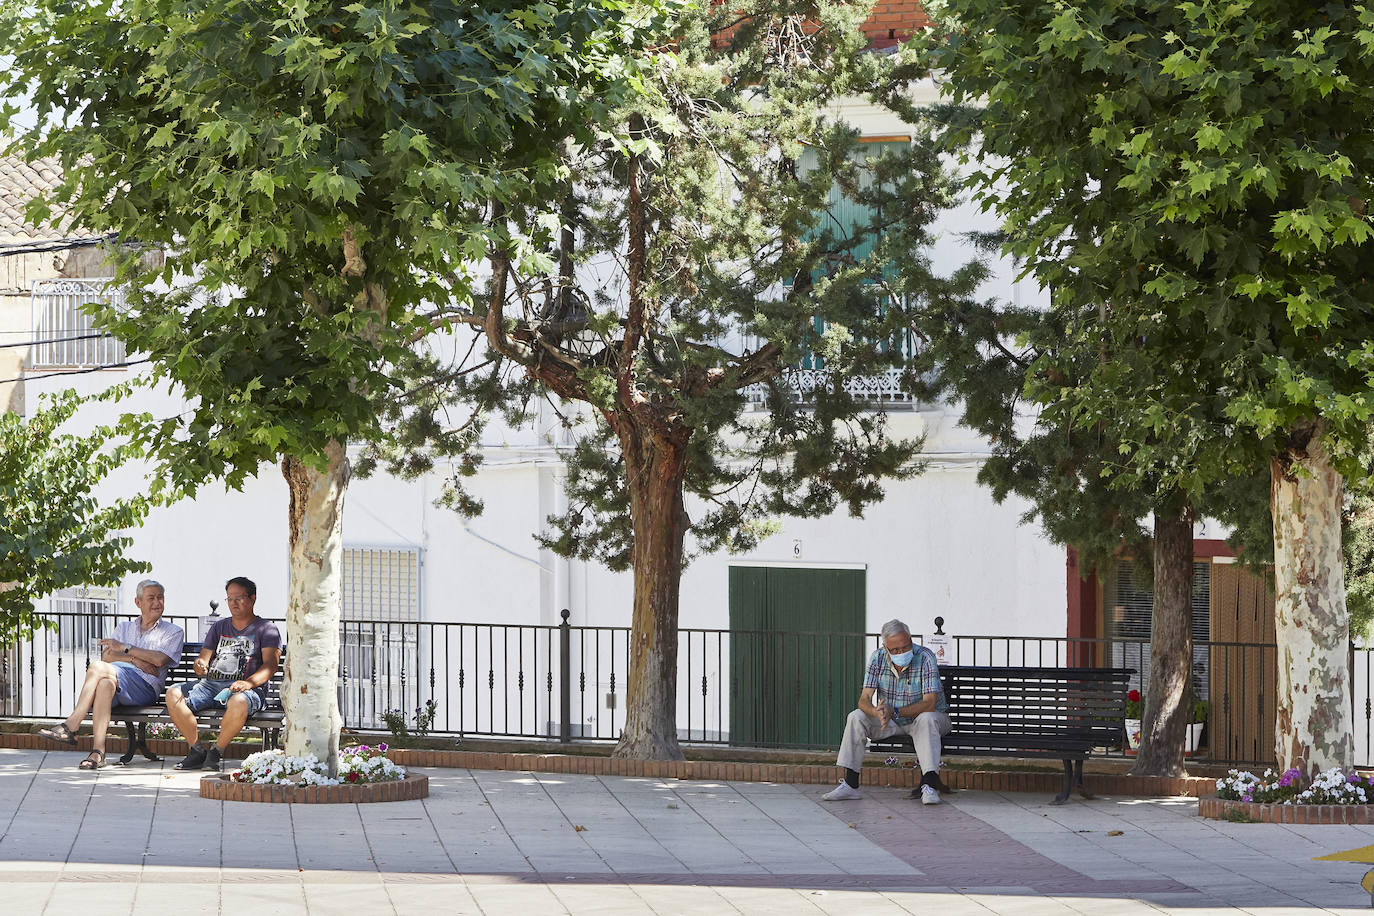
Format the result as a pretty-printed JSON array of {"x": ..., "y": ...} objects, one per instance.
[
  {"x": 794, "y": 676},
  {"x": 748, "y": 620}
]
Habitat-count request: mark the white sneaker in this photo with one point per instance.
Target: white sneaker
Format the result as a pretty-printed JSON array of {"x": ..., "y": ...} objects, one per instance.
[
  {"x": 930, "y": 795},
  {"x": 842, "y": 792}
]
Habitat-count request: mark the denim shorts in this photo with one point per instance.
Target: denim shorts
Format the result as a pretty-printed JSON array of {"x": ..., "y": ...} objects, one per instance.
[
  {"x": 133, "y": 689},
  {"x": 200, "y": 695}
]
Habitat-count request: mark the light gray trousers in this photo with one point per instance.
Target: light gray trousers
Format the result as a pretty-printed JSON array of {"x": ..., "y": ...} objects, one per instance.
[{"x": 925, "y": 731}]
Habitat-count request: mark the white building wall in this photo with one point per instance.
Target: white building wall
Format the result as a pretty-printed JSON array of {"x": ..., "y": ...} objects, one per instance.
[{"x": 936, "y": 545}]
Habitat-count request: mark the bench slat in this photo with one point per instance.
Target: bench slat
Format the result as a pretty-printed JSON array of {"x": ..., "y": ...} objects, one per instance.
[{"x": 1003, "y": 711}]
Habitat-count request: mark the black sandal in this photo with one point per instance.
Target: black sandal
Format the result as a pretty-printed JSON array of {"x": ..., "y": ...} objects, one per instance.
[
  {"x": 59, "y": 733},
  {"x": 94, "y": 761}
]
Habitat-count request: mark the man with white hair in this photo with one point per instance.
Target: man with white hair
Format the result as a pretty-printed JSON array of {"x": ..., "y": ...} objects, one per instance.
[
  {"x": 902, "y": 693},
  {"x": 131, "y": 669}
]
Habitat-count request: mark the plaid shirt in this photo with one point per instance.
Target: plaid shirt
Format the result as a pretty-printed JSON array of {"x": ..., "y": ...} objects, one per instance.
[{"x": 921, "y": 677}]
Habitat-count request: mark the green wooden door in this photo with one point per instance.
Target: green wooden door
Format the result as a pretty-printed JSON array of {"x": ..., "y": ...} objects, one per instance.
[{"x": 796, "y": 653}]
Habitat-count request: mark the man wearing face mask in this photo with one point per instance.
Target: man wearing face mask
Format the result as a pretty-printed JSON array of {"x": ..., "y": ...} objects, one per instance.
[{"x": 901, "y": 694}]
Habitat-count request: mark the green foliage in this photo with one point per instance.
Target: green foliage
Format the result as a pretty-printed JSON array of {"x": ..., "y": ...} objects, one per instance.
[
  {"x": 1014, "y": 373},
  {"x": 1358, "y": 536},
  {"x": 1190, "y": 179},
  {"x": 317, "y": 173},
  {"x": 53, "y": 533}
]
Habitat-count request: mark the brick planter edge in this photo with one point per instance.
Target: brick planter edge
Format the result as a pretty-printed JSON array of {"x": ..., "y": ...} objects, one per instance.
[
  {"x": 1224, "y": 808},
  {"x": 219, "y": 787}
]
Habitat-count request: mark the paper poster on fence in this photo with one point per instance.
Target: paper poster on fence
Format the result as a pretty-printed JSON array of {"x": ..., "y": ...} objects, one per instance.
[{"x": 943, "y": 647}]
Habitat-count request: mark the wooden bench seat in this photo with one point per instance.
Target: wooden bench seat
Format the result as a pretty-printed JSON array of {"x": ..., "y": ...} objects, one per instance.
[
  {"x": 268, "y": 720},
  {"x": 1059, "y": 713}
]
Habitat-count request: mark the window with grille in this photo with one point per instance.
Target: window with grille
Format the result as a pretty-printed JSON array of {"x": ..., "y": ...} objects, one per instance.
[
  {"x": 82, "y": 615},
  {"x": 65, "y": 337},
  {"x": 1130, "y": 606},
  {"x": 381, "y": 641},
  {"x": 381, "y": 583},
  {"x": 847, "y": 218}
]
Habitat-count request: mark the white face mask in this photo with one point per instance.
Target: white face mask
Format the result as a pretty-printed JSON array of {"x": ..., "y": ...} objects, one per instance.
[{"x": 902, "y": 659}]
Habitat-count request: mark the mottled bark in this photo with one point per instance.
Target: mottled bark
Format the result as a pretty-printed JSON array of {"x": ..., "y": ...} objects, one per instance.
[
  {"x": 309, "y": 690},
  {"x": 1312, "y": 627},
  {"x": 655, "y": 468},
  {"x": 1167, "y": 694}
]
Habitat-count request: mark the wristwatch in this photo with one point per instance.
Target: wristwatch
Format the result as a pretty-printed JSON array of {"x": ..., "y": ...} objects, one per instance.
[{"x": 127, "y": 647}]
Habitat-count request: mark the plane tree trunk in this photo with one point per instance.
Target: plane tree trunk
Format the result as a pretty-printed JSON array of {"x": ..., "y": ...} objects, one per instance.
[
  {"x": 1311, "y": 623},
  {"x": 309, "y": 689}
]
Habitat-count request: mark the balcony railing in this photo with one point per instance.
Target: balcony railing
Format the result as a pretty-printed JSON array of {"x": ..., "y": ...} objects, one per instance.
[
  {"x": 801, "y": 382},
  {"x": 801, "y": 385},
  {"x": 749, "y": 688},
  {"x": 65, "y": 337}
]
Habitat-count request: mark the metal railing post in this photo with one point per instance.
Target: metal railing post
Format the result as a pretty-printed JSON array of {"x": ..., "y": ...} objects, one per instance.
[{"x": 565, "y": 679}]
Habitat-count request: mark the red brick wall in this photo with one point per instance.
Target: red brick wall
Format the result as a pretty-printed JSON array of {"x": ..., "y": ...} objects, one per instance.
[{"x": 893, "y": 21}]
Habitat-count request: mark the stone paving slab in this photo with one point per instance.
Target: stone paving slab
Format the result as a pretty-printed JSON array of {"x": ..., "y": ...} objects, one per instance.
[{"x": 140, "y": 840}]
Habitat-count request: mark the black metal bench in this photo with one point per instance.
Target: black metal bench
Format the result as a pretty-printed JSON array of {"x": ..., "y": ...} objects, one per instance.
[
  {"x": 136, "y": 719},
  {"x": 1058, "y": 713}
]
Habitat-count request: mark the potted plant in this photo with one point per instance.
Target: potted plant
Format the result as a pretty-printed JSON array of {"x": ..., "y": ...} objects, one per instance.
[
  {"x": 1135, "y": 711},
  {"x": 1135, "y": 706},
  {"x": 1197, "y": 718}
]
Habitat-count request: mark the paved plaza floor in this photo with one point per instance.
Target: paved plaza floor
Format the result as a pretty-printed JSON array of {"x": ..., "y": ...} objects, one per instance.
[{"x": 141, "y": 841}]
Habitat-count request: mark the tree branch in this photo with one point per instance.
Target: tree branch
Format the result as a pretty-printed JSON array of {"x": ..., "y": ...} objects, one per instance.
[{"x": 500, "y": 273}]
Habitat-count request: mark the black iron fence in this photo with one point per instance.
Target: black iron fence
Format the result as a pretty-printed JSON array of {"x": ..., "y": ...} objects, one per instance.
[{"x": 750, "y": 688}]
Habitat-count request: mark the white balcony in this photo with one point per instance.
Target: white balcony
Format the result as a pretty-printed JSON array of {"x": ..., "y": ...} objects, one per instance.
[
  {"x": 884, "y": 389},
  {"x": 64, "y": 336}
]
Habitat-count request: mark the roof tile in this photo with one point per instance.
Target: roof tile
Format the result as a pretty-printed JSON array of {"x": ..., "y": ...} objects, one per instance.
[{"x": 20, "y": 182}]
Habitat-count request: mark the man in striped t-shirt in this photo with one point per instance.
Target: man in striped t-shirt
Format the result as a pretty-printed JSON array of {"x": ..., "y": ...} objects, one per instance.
[
  {"x": 902, "y": 693},
  {"x": 132, "y": 666}
]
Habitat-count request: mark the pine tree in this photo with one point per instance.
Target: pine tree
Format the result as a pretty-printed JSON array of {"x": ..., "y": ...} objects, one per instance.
[{"x": 696, "y": 271}]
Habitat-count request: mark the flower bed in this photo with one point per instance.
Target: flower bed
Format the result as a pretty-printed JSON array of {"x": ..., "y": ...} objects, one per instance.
[
  {"x": 358, "y": 764},
  {"x": 222, "y": 787},
  {"x": 365, "y": 774},
  {"x": 1333, "y": 787},
  {"x": 1332, "y": 797}
]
